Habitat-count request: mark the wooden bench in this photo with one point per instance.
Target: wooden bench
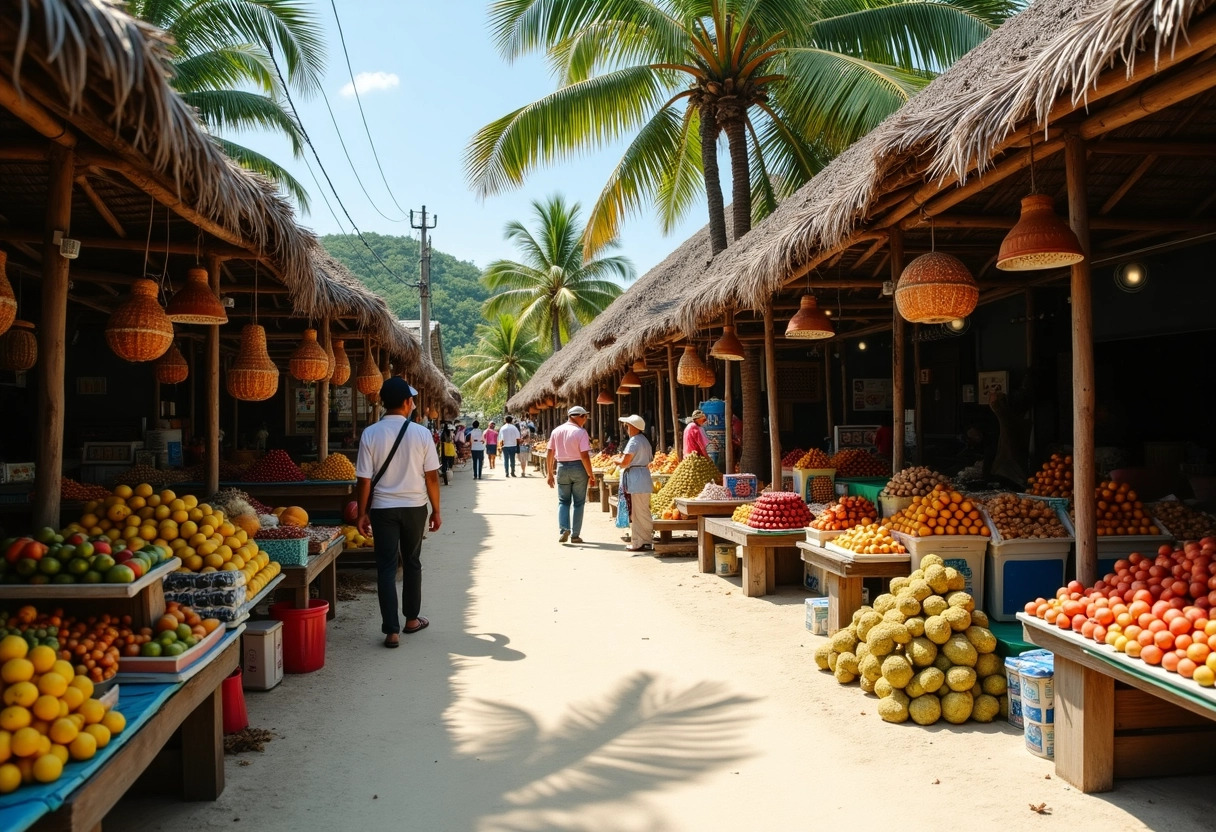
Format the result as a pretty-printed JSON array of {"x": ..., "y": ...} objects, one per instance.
[
  {"x": 844, "y": 580},
  {"x": 667, "y": 544},
  {"x": 759, "y": 552}
]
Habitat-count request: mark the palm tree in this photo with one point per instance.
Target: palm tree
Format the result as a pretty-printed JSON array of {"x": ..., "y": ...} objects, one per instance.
[
  {"x": 792, "y": 83},
  {"x": 224, "y": 65},
  {"x": 555, "y": 288},
  {"x": 504, "y": 358}
]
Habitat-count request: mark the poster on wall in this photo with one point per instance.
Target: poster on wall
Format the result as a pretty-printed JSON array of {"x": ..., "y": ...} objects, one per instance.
[
  {"x": 992, "y": 383},
  {"x": 856, "y": 436},
  {"x": 342, "y": 402},
  {"x": 871, "y": 394},
  {"x": 306, "y": 401}
]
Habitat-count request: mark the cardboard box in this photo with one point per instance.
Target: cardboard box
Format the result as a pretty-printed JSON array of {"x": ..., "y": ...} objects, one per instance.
[
  {"x": 817, "y": 616},
  {"x": 262, "y": 654},
  {"x": 741, "y": 486}
]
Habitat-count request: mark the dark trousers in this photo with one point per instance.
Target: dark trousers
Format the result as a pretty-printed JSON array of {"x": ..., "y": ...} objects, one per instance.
[
  {"x": 398, "y": 533},
  {"x": 508, "y": 460},
  {"x": 479, "y": 458}
]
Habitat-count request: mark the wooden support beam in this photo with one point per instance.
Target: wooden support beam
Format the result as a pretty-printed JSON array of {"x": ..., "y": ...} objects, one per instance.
[
  {"x": 1190, "y": 82},
  {"x": 99, "y": 205},
  {"x": 659, "y": 415},
  {"x": 827, "y": 387},
  {"x": 1127, "y": 184},
  {"x": 24, "y": 152},
  {"x": 675, "y": 402},
  {"x": 323, "y": 401},
  {"x": 728, "y": 447},
  {"x": 918, "y": 397},
  {"x": 13, "y": 235},
  {"x": 1096, "y": 224},
  {"x": 52, "y": 339},
  {"x": 211, "y": 388},
  {"x": 1156, "y": 147},
  {"x": 874, "y": 248},
  {"x": 37, "y": 117},
  {"x": 1083, "y": 396},
  {"x": 770, "y": 375},
  {"x": 896, "y": 247}
]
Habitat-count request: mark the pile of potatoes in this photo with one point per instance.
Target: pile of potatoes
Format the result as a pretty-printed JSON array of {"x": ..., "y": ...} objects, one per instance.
[{"x": 915, "y": 482}]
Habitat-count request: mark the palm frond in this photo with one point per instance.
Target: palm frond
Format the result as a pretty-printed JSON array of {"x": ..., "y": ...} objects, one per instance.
[
  {"x": 222, "y": 108},
  {"x": 911, "y": 34},
  {"x": 272, "y": 170},
  {"x": 229, "y": 66},
  {"x": 523, "y": 26}
]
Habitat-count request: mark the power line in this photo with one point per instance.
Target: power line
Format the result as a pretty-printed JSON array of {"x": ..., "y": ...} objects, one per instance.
[
  {"x": 355, "y": 170},
  {"x": 358, "y": 100}
]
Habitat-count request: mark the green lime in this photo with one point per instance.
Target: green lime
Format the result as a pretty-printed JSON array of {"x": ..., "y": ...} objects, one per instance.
[{"x": 150, "y": 648}]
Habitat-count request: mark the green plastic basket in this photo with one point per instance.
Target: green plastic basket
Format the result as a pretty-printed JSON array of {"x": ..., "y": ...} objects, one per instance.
[{"x": 286, "y": 552}]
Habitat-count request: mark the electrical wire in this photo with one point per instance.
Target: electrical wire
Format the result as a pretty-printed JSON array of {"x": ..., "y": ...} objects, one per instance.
[{"x": 355, "y": 170}]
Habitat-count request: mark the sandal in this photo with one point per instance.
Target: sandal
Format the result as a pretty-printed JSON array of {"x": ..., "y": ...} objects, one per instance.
[
  {"x": 392, "y": 640},
  {"x": 644, "y": 547},
  {"x": 422, "y": 625}
]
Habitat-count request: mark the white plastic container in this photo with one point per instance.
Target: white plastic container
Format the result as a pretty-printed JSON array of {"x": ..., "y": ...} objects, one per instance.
[
  {"x": 966, "y": 553},
  {"x": 1040, "y": 739},
  {"x": 1038, "y": 687},
  {"x": 726, "y": 559},
  {"x": 817, "y": 616}
]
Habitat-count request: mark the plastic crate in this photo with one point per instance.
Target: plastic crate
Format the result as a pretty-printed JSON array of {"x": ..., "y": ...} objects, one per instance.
[
  {"x": 741, "y": 486},
  {"x": 286, "y": 552},
  {"x": 803, "y": 477},
  {"x": 966, "y": 553},
  {"x": 889, "y": 505}
]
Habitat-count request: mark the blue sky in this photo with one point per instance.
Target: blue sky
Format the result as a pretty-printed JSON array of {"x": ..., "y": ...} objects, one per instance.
[{"x": 450, "y": 81}]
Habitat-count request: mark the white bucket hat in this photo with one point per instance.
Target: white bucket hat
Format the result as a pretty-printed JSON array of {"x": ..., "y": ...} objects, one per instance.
[{"x": 635, "y": 420}]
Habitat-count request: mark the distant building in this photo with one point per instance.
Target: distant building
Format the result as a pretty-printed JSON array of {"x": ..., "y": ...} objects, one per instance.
[{"x": 414, "y": 327}]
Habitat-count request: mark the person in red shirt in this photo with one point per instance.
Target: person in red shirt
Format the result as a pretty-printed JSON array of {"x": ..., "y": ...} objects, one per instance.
[{"x": 695, "y": 440}]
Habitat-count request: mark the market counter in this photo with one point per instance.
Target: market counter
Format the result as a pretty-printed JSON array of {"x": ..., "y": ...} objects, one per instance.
[
  {"x": 844, "y": 577},
  {"x": 700, "y": 510},
  {"x": 759, "y": 551}
]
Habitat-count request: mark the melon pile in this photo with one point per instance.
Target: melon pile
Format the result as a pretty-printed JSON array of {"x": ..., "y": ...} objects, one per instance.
[{"x": 689, "y": 477}]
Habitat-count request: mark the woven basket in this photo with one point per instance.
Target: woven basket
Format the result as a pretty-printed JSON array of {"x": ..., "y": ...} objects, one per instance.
[
  {"x": 368, "y": 381},
  {"x": 709, "y": 377},
  {"x": 690, "y": 368},
  {"x": 195, "y": 303},
  {"x": 341, "y": 373},
  {"x": 19, "y": 347},
  {"x": 139, "y": 329},
  {"x": 309, "y": 362},
  {"x": 253, "y": 377},
  {"x": 171, "y": 368},
  {"x": 936, "y": 288},
  {"x": 330, "y": 360},
  {"x": 8, "y": 301}
]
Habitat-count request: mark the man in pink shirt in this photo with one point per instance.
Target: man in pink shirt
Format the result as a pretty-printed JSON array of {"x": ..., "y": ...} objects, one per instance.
[
  {"x": 695, "y": 440},
  {"x": 569, "y": 463}
]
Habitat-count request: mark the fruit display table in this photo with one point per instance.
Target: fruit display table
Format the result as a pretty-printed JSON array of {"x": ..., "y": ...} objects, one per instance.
[
  {"x": 699, "y": 510},
  {"x": 759, "y": 551},
  {"x": 310, "y": 495},
  {"x": 868, "y": 487},
  {"x": 667, "y": 544},
  {"x": 299, "y": 579},
  {"x": 1116, "y": 716},
  {"x": 608, "y": 490},
  {"x": 844, "y": 578},
  {"x": 191, "y": 710}
]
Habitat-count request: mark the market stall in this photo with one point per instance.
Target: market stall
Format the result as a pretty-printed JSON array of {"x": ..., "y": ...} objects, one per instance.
[
  {"x": 699, "y": 510},
  {"x": 759, "y": 551}
]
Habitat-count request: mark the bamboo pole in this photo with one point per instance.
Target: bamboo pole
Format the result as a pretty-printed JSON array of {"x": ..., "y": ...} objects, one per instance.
[
  {"x": 896, "y": 243},
  {"x": 675, "y": 406},
  {"x": 728, "y": 370},
  {"x": 323, "y": 402},
  {"x": 1084, "y": 472},
  {"x": 660, "y": 394},
  {"x": 211, "y": 397},
  {"x": 770, "y": 375},
  {"x": 52, "y": 341},
  {"x": 918, "y": 403}
]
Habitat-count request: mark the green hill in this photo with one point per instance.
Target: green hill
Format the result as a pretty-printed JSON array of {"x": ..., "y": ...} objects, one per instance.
[{"x": 456, "y": 289}]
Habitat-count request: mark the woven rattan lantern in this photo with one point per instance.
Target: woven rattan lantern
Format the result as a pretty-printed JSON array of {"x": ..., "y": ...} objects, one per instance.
[
  {"x": 19, "y": 347},
  {"x": 341, "y": 373},
  {"x": 330, "y": 359},
  {"x": 689, "y": 370},
  {"x": 139, "y": 330},
  {"x": 171, "y": 368},
  {"x": 195, "y": 303},
  {"x": 809, "y": 322},
  {"x": 309, "y": 362},
  {"x": 728, "y": 347},
  {"x": 709, "y": 377},
  {"x": 368, "y": 380},
  {"x": 253, "y": 377},
  {"x": 1039, "y": 240},
  {"x": 8, "y": 301},
  {"x": 936, "y": 288}
]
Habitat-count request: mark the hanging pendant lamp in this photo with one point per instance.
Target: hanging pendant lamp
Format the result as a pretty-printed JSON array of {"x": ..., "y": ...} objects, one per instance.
[
  {"x": 330, "y": 359},
  {"x": 253, "y": 377},
  {"x": 604, "y": 397},
  {"x": 630, "y": 379},
  {"x": 709, "y": 377},
  {"x": 809, "y": 322},
  {"x": 936, "y": 288},
  {"x": 139, "y": 330},
  {"x": 622, "y": 390},
  {"x": 8, "y": 301},
  {"x": 639, "y": 366},
  {"x": 688, "y": 371},
  {"x": 341, "y": 373},
  {"x": 171, "y": 368},
  {"x": 309, "y": 362},
  {"x": 19, "y": 347},
  {"x": 368, "y": 379},
  {"x": 195, "y": 303},
  {"x": 1041, "y": 239},
  {"x": 728, "y": 347}
]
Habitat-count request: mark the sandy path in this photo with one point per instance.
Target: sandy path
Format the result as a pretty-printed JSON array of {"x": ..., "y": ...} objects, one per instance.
[{"x": 582, "y": 688}]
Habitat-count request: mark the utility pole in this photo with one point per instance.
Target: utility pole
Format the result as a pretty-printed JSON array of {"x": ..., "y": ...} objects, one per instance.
[{"x": 424, "y": 281}]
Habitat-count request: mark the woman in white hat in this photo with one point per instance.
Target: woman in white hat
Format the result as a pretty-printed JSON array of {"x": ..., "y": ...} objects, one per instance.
[{"x": 634, "y": 463}]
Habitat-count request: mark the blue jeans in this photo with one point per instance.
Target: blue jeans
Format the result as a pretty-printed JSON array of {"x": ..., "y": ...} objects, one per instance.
[
  {"x": 571, "y": 488},
  {"x": 398, "y": 535},
  {"x": 508, "y": 460},
  {"x": 479, "y": 457}
]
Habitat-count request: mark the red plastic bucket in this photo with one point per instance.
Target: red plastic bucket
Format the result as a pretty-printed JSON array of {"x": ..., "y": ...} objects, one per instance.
[
  {"x": 233, "y": 694},
  {"x": 303, "y": 635}
]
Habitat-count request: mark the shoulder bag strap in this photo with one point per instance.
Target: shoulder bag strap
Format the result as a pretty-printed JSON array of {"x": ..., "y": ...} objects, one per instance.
[{"x": 392, "y": 452}]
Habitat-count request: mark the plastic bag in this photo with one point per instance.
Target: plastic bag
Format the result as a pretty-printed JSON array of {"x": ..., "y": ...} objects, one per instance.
[{"x": 622, "y": 509}]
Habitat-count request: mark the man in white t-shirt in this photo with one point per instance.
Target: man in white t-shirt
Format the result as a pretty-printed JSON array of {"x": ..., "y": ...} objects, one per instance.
[
  {"x": 477, "y": 444},
  {"x": 508, "y": 443},
  {"x": 397, "y": 474}
]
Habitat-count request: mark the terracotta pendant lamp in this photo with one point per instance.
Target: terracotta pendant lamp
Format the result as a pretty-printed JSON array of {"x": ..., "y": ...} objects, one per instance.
[
  {"x": 309, "y": 362},
  {"x": 253, "y": 377},
  {"x": 195, "y": 303},
  {"x": 604, "y": 397},
  {"x": 639, "y": 366},
  {"x": 341, "y": 373},
  {"x": 728, "y": 347},
  {"x": 8, "y": 301},
  {"x": 368, "y": 379},
  {"x": 809, "y": 322},
  {"x": 19, "y": 347},
  {"x": 630, "y": 379},
  {"x": 1039, "y": 240},
  {"x": 139, "y": 330},
  {"x": 171, "y": 368},
  {"x": 689, "y": 369}
]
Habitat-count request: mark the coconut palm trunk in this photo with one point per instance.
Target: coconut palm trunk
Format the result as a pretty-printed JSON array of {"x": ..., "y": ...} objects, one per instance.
[
  {"x": 713, "y": 185},
  {"x": 555, "y": 331},
  {"x": 755, "y": 455},
  {"x": 732, "y": 117}
]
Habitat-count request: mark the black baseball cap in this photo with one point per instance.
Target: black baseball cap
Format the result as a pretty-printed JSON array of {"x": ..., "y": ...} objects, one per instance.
[{"x": 395, "y": 391}]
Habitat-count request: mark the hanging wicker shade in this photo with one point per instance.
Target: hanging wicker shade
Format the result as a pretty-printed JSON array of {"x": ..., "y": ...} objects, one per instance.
[
  {"x": 368, "y": 380},
  {"x": 622, "y": 390},
  {"x": 19, "y": 347},
  {"x": 432, "y": 413},
  {"x": 604, "y": 397},
  {"x": 630, "y": 379},
  {"x": 549, "y": 401},
  {"x": 639, "y": 366},
  {"x": 341, "y": 373},
  {"x": 139, "y": 330},
  {"x": 689, "y": 370},
  {"x": 330, "y": 360},
  {"x": 195, "y": 303},
  {"x": 8, "y": 301},
  {"x": 809, "y": 322},
  {"x": 709, "y": 377},
  {"x": 171, "y": 368},
  {"x": 309, "y": 362},
  {"x": 253, "y": 376},
  {"x": 1039, "y": 240},
  {"x": 728, "y": 347},
  {"x": 936, "y": 288}
]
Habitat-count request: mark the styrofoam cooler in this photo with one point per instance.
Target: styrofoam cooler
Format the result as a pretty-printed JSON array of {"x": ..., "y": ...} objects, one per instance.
[
  {"x": 966, "y": 553},
  {"x": 817, "y": 615}
]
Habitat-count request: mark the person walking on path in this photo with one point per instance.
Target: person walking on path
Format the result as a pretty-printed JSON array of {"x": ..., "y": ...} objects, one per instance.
[
  {"x": 634, "y": 463},
  {"x": 477, "y": 445},
  {"x": 491, "y": 437},
  {"x": 695, "y": 440},
  {"x": 447, "y": 445},
  {"x": 396, "y": 477},
  {"x": 525, "y": 448},
  {"x": 569, "y": 463},
  {"x": 508, "y": 442}
]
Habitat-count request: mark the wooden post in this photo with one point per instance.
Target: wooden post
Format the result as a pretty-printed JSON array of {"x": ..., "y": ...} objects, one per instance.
[
  {"x": 770, "y": 377},
  {"x": 193, "y": 370},
  {"x": 211, "y": 396},
  {"x": 827, "y": 387},
  {"x": 323, "y": 402},
  {"x": 728, "y": 370},
  {"x": 896, "y": 245},
  {"x": 658, "y": 414},
  {"x": 675, "y": 406},
  {"x": 918, "y": 398},
  {"x": 1084, "y": 473},
  {"x": 1030, "y": 366},
  {"x": 52, "y": 340}
]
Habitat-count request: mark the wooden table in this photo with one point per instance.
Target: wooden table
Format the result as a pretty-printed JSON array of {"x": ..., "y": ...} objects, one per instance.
[
  {"x": 196, "y": 710},
  {"x": 1118, "y": 717},
  {"x": 759, "y": 552},
  {"x": 608, "y": 490},
  {"x": 844, "y": 579},
  {"x": 324, "y": 566},
  {"x": 669, "y": 545},
  {"x": 700, "y": 509}
]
